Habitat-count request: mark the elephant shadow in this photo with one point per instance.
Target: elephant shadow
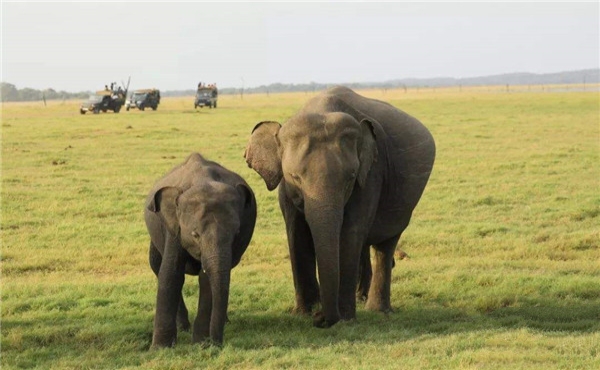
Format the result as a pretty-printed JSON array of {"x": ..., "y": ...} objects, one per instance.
[{"x": 252, "y": 330}]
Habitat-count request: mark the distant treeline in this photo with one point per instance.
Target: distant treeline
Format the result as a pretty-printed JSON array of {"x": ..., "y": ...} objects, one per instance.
[
  {"x": 586, "y": 76},
  {"x": 11, "y": 93}
]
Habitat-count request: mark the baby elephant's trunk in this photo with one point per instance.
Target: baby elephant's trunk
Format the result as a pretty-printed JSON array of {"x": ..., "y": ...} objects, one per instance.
[{"x": 218, "y": 270}]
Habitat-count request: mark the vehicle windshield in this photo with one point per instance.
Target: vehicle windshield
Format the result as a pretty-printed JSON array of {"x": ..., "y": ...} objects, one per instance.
[
  {"x": 138, "y": 96},
  {"x": 95, "y": 98},
  {"x": 204, "y": 93}
]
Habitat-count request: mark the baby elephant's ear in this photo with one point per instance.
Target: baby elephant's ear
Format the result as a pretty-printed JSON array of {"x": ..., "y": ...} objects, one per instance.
[
  {"x": 263, "y": 153},
  {"x": 164, "y": 202},
  {"x": 246, "y": 194}
]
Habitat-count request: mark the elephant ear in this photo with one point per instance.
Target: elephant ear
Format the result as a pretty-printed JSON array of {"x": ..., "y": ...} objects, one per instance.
[
  {"x": 164, "y": 202},
  {"x": 247, "y": 222},
  {"x": 263, "y": 153},
  {"x": 246, "y": 194},
  {"x": 367, "y": 152}
]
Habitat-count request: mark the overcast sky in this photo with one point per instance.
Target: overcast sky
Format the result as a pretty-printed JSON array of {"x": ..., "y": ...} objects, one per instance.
[{"x": 173, "y": 46}]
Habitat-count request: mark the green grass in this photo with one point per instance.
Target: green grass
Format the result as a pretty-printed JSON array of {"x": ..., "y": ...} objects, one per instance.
[{"x": 504, "y": 267}]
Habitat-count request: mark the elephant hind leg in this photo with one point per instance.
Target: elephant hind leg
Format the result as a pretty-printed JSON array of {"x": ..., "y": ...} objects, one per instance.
[
  {"x": 183, "y": 321},
  {"x": 365, "y": 273},
  {"x": 379, "y": 292}
]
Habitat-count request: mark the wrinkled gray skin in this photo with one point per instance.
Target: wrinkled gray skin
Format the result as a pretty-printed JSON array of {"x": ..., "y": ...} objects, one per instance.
[
  {"x": 350, "y": 172},
  {"x": 200, "y": 218}
]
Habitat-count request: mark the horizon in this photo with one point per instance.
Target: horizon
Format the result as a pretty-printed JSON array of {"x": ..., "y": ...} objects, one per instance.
[
  {"x": 247, "y": 45},
  {"x": 367, "y": 83}
]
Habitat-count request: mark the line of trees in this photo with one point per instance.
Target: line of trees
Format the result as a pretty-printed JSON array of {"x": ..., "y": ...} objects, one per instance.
[
  {"x": 9, "y": 92},
  {"x": 588, "y": 76}
]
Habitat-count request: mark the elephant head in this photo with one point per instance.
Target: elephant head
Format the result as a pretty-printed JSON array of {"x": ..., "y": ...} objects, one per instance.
[
  {"x": 321, "y": 159},
  {"x": 206, "y": 220},
  {"x": 347, "y": 147}
]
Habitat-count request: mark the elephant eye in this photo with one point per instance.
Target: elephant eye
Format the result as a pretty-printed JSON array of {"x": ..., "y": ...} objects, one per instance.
[
  {"x": 195, "y": 235},
  {"x": 295, "y": 177}
]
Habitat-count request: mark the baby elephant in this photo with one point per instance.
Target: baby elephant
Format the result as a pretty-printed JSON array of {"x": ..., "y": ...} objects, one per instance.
[{"x": 200, "y": 217}]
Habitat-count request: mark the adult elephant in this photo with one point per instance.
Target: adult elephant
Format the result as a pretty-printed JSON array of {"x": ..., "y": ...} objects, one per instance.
[
  {"x": 200, "y": 217},
  {"x": 350, "y": 172}
]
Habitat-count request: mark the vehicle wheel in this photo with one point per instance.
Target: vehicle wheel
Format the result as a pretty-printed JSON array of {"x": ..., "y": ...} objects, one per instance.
[
  {"x": 96, "y": 110},
  {"x": 117, "y": 109},
  {"x": 215, "y": 105},
  {"x": 127, "y": 109},
  {"x": 81, "y": 111},
  {"x": 154, "y": 107},
  {"x": 142, "y": 107},
  {"x": 104, "y": 110}
]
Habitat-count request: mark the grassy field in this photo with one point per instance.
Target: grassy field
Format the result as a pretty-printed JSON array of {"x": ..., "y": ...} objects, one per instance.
[{"x": 504, "y": 267}]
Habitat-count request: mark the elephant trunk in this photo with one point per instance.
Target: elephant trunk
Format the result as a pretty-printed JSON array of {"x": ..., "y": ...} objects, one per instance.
[
  {"x": 219, "y": 274},
  {"x": 325, "y": 223}
]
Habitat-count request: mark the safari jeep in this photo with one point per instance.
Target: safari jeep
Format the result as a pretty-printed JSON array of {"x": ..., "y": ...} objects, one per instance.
[
  {"x": 142, "y": 99},
  {"x": 103, "y": 100},
  {"x": 206, "y": 96}
]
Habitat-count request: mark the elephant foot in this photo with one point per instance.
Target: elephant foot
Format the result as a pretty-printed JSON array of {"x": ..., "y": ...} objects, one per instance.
[
  {"x": 184, "y": 325},
  {"x": 349, "y": 316},
  {"x": 199, "y": 337},
  {"x": 362, "y": 291},
  {"x": 305, "y": 305},
  {"x": 353, "y": 319},
  {"x": 163, "y": 341},
  {"x": 347, "y": 311},
  {"x": 183, "y": 322},
  {"x": 362, "y": 296},
  {"x": 203, "y": 338},
  {"x": 378, "y": 306},
  {"x": 209, "y": 343},
  {"x": 320, "y": 321},
  {"x": 301, "y": 310}
]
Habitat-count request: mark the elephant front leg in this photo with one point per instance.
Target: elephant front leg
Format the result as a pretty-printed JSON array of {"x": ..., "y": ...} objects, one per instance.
[
  {"x": 380, "y": 291},
  {"x": 155, "y": 258},
  {"x": 303, "y": 260},
  {"x": 202, "y": 322},
  {"x": 168, "y": 298},
  {"x": 350, "y": 262}
]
